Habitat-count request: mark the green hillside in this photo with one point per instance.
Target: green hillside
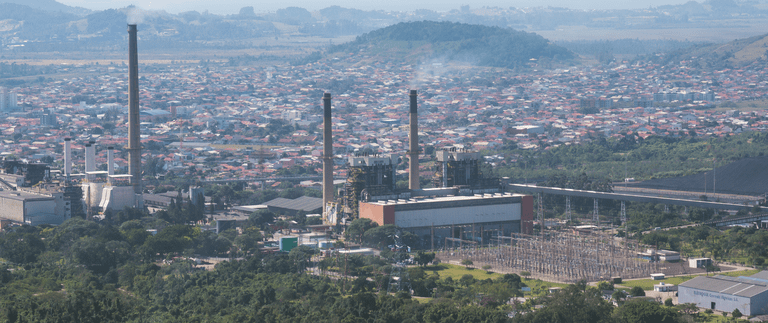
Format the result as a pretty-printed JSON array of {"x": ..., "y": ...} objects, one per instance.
[
  {"x": 739, "y": 52},
  {"x": 481, "y": 45}
]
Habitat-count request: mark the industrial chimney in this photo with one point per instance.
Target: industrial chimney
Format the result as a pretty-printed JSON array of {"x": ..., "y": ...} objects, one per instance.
[
  {"x": 327, "y": 153},
  {"x": 90, "y": 159},
  {"x": 134, "y": 143},
  {"x": 413, "y": 146},
  {"x": 110, "y": 163},
  {"x": 67, "y": 158}
]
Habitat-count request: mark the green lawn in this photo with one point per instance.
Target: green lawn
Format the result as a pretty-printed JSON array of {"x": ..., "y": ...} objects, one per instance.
[
  {"x": 647, "y": 284},
  {"x": 455, "y": 272},
  {"x": 749, "y": 272}
]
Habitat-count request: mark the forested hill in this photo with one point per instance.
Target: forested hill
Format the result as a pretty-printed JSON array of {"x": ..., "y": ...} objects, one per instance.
[
  {"x": 48, "y": 5},
  {"x": 481, "y": 45}
]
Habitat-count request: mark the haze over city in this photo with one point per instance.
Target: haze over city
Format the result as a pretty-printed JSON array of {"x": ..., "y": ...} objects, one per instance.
[{"x": 233, "y": 6}]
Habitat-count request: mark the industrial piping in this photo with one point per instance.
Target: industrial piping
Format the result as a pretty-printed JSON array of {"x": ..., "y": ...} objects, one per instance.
[
  {"x": 134, "y": 143},
  {"x": 327, "y": 153},
  {"x": 413, "y": 147}
]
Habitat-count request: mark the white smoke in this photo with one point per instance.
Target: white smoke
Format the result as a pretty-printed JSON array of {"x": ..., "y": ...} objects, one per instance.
[
  {"x": 135, "y": 15},
  {"x": 428, "y": 72}
]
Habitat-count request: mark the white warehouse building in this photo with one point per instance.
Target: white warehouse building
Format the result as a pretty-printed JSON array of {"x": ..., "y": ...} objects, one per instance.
[{"x": 724, "y": 293}]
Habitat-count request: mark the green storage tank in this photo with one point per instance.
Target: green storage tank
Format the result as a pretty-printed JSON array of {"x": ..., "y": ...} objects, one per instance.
[{"x": 288, "y": 243}]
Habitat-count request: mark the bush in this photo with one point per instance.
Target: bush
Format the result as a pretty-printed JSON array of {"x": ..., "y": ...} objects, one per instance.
[
  {"x": 736, "y": 313},
  {"x": 637, "y": 291},
  {"x": 668, "y": 302}
]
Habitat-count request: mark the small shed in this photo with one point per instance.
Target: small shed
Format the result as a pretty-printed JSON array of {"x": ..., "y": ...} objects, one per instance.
[
  {"x": 665, "y": 287},
  {"x": 659, "y": 276},
  {"x": 699, "y": 262}
]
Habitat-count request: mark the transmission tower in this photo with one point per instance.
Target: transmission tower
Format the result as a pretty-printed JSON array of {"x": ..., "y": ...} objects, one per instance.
[
  {"x": 623, "y": 213},
  {"x": 595, "y": 216},
  {"x": 398, "y": 265},
  {"x": 541, "y": 212}
]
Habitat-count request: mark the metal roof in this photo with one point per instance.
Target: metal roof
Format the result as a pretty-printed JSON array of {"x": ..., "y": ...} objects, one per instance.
[
  {"x": 728, "y": 285},
  {"x": 304, "y": 203},
  {"x": 475, "y": 197},
  {"x": 24, "y": 196},
  {"x": 761, "y": 275}
]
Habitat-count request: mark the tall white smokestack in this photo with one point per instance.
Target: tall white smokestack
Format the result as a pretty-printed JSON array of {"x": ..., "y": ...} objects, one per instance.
[
  {"x": 67, "y": 157},
  {"x": 110, "y": 163},
  {"x": 90, "y": 158}
]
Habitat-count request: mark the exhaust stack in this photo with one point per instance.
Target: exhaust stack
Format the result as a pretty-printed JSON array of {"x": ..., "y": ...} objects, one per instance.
[
  {"x": 134, "y": 143},
  {"x": 327, "y": 153},
  {"x": 413, "y": 146},
  {"x": 67, "y": 158},
  {"x": 90, "y": 158},
  {"x": 110, "y": 163}
]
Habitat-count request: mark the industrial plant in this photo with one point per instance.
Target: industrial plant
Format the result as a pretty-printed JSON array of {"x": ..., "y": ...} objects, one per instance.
[
  {"x": 465, "y": 210},
  {"x": 31, "y": 194},
  {"x": 463, "y": 199}
]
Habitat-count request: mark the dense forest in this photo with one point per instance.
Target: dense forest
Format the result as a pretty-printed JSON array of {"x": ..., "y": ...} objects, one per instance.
[
  {"x": 737, "y": 244},
  {"x": 631, "y": 156},
  {"x": 84, "y": 271}
]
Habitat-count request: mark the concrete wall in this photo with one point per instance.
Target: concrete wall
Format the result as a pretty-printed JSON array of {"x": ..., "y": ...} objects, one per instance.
[
  {"x": 11, "y": 209},
  {"x": 458, "y": 215},
  {"x": 40, "y": 207},
  {"x": 756, "y": 305},
  {"x": 117, "y": 198},
  {"x": 96, "y": 193}
]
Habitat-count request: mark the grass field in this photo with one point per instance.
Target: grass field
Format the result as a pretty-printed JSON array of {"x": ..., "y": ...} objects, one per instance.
[
  {"x": 456, "y": 272},
  {"x": 647, "y": 284}
]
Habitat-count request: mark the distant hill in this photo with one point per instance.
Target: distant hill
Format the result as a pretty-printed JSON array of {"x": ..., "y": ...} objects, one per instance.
[
  {"x": 481, "y": 45},
  {"x": 48, "y": 5},
  {"x": 748, "y": 176},
  {"x": 739, "y": 52}
]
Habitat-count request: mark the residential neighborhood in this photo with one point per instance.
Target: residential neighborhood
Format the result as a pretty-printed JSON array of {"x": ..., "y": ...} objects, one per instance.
[{"x": 225, "y": 122}]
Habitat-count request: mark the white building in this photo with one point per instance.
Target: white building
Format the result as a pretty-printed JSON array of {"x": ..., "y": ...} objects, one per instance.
[
  {"x": 34, "y": 209},
  {"x": 8, "y": 99},
  {"x": 724, "y": 293}
]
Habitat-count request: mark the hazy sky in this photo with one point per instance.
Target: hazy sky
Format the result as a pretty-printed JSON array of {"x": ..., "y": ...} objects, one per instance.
[{"x": 233, "y": 6}]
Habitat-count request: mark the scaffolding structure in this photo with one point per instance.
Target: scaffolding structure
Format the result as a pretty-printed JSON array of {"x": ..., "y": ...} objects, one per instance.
[
  {"x": 371, "y": 175},
  {"x": 461, "y": 168},
  {"x": 557, "y": 256}
]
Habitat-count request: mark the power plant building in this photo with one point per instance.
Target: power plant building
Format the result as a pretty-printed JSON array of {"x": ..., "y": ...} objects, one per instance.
[
  {"x": 453, "y": 216},
  {"x": 723, "y": 293},
  {"x": 33, "y": 209}
]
